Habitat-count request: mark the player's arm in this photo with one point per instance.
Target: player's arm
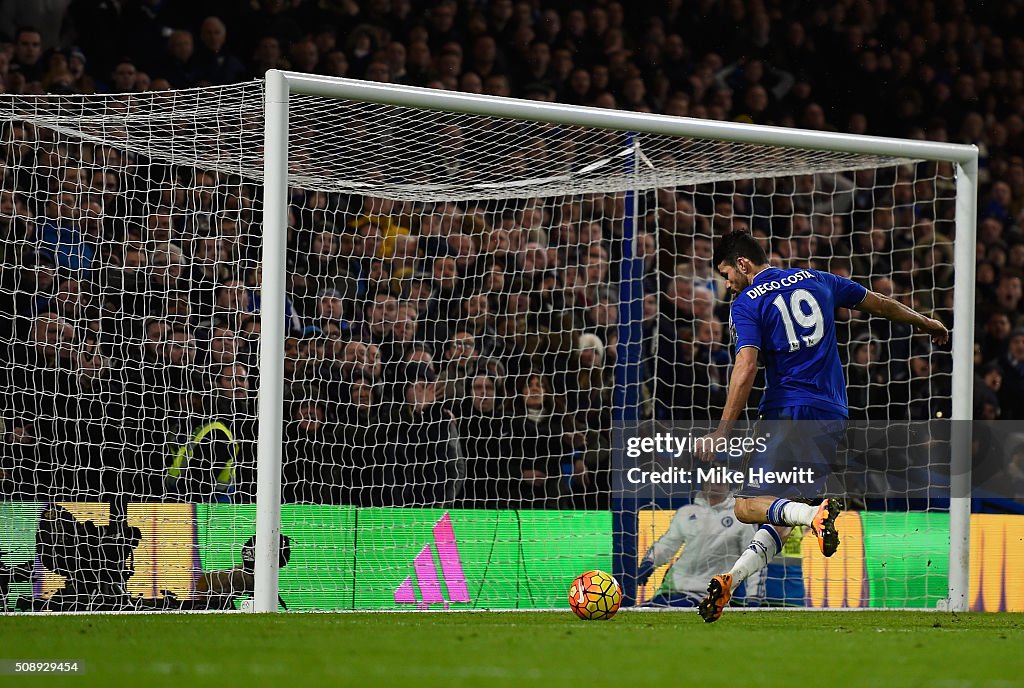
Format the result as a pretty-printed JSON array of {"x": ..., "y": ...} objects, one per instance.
[
  {"x": 665, "y": 547},
  {"x": 662, "y": 551},
  {"x": 225, "y": 582},
  {"x": 741, "y": 381},
  {"x": 891, "y": 309}
]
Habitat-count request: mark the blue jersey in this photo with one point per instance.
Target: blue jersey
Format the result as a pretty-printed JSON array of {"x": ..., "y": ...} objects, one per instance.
[{"x": 789, "y": 316}]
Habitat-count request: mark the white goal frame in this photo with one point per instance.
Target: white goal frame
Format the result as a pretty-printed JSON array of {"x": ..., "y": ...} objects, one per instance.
[{"x": 280, "y": 85}]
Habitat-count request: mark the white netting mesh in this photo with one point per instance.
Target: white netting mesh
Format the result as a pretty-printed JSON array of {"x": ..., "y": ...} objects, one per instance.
[
  {"x": 352, "y": 147},
  {"x": 455, "y": 293}
]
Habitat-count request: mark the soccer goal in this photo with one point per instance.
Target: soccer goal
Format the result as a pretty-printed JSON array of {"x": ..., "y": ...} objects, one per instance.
[{"x": 451, "y": 307}]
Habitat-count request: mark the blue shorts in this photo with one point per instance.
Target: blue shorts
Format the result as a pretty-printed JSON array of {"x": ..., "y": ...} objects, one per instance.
[{"x": 799, "y": 453}]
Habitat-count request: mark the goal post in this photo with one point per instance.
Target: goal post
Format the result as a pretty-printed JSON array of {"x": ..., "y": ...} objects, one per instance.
[
  {"x": 850, "y": 152},
  {"x": 271, "y": 394},
  {"x": 963, "y": 390},
  {"x": 452, "y": 307}
]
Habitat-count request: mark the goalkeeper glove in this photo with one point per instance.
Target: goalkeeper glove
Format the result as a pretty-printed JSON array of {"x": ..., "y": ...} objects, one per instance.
[{"x": 644, "y": 571}]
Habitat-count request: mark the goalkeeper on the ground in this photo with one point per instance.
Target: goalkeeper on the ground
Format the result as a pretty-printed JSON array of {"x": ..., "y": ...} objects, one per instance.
[{"x": 713, "y": 538}]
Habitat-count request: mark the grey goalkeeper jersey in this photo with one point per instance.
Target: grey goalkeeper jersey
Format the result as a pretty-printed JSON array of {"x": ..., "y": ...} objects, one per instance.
[{"x": 713, "y": 540}]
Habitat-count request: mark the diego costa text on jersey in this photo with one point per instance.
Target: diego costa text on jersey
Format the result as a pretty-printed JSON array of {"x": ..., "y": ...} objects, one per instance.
[{"x": 789, "y": 316}]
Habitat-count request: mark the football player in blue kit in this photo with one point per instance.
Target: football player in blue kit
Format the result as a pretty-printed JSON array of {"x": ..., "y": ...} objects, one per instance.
[{"x": 787, "y": 318}]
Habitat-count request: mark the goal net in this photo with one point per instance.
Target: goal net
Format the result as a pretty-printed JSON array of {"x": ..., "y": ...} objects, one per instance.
[{"x": 475, "y": 307}]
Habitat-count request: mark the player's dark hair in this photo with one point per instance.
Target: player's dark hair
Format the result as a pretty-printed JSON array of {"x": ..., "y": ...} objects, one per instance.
[{"x": 736, "y": 245}]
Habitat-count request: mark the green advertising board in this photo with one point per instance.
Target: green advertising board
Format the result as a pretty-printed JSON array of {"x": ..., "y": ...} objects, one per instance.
[
  {"x": 346, "y": 557},
  {"x": 18, "y": 543},
  {"x": 907, "y": 558},
  {"x": 319, "y": 572},
  {"x": 500, "y": 559},
  {"x": 351, "y": 558}
]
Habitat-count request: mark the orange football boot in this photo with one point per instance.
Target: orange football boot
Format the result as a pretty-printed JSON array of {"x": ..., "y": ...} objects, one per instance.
[
  {"x": 824, "y": 525},
  {"x": 719, "y": 594}
]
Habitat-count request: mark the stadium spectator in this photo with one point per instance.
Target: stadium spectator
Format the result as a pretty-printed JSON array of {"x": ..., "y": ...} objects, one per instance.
[
  {"x": 485, "y": 441},
  {"x": 403, "y": 334},
  {"x": 254, "y": 280},
  {"x": 268, "y": 55},
  {"x": 232, "y": 300},
  {"x": 215, "y": 455},
  {"x": 367, "y": 473},
  {"x": 213, "y": 65},
  {"x": 1011, "y": 482},
  {"x": 1011, "y": 395},
  {"x": 330, "y": 310},
  {"x": 40, "y": 372},
  {"x": 423, "y": 447},
  {"x": 124, "y": 78},
  {"x": 178, "y": 65},
  {"x": 60, "y": 233},
  {"x": 537, "y": 446},
  {"x": 304, "y": 56},
  {"x": 1009, "y": 292},
  {"x": 310, "y": 473},
  {"x": 459, "y": 364},
  {"x": 522, "y": 280},
  {"x": 996, "y": 335},
  {"x": 224, "y": 346},
  {"x": 28, "y": 54},
  {"x": 589, "y": 392}
]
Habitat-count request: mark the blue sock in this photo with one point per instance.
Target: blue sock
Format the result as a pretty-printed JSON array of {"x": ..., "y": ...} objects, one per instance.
[{"x": 775, "y": 512}]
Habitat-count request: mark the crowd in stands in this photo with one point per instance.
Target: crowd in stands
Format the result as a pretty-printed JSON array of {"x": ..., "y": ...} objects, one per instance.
[{"x": 464, "y": 353}]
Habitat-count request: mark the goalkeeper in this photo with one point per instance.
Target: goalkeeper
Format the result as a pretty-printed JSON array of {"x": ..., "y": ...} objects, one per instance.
[{"x": 714, "y": 539}]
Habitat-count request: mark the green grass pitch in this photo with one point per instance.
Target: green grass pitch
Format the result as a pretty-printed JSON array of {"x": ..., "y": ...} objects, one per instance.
[{"x": 633, "y": 650}]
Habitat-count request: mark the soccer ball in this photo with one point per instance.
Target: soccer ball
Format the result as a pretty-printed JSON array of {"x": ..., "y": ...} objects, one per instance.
[{"x": 595, "y": 595}]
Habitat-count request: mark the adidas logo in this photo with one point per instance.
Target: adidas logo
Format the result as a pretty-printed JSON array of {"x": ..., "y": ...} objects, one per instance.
[{"x": 427, "y": 574}]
